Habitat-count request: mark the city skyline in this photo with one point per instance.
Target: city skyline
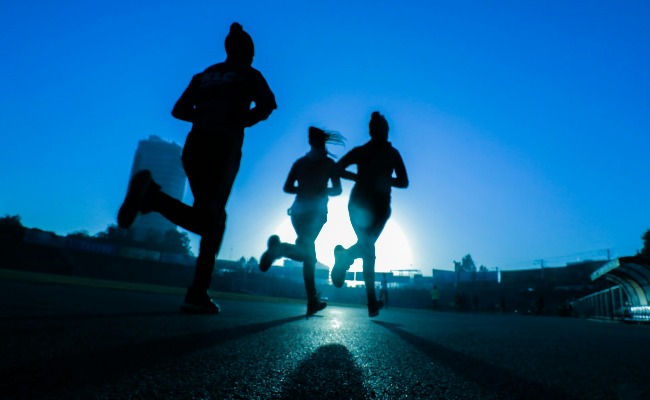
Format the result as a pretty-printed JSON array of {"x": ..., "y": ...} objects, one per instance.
[{"x": 524, "y": 127}]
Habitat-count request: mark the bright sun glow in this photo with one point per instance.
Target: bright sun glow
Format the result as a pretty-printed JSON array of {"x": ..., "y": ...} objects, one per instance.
[{"x": 392, "y": 248}]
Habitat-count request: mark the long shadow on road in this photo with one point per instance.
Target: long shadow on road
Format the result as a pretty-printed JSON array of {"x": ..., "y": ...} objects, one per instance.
[
  {"x": 329, "y": 373},
  {"x": 72, "y": 372},
  {"x": 499, "y": 380}
]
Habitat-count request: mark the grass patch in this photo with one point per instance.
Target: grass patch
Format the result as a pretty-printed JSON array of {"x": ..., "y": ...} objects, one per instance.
[{"x": 39, "y": 277}]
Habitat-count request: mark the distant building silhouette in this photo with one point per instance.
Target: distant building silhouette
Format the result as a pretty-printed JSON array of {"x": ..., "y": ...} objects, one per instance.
[{"x": 163, "y": 159}]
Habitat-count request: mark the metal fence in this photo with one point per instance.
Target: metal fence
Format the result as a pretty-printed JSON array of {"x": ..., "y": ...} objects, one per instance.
[{"x": 610, "y": 303}]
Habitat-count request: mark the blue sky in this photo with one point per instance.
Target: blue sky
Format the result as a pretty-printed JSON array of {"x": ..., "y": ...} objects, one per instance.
[{"x": 523, "y": 125}]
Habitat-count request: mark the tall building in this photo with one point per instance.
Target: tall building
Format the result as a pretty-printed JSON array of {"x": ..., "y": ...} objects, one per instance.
[{"x": 163, "y": 159}]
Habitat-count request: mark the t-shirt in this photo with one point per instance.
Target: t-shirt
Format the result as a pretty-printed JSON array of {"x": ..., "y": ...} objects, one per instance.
[{"x": 312, "y": 172}]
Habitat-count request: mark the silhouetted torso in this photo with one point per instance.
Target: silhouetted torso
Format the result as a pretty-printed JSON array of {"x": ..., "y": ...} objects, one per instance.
[
  {"x": 375, "y": 162},
  {"x": 219, "y": 99},
  {"x": 312, "y": 173}
]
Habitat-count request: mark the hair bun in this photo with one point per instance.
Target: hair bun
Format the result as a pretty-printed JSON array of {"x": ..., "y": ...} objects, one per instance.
[
  {"x": 239, "y": 44},
  {"x": 378, "y": 126}
]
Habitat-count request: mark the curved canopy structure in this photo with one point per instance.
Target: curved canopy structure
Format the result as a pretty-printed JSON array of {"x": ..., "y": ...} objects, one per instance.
[{"x": 632, "y": 275}]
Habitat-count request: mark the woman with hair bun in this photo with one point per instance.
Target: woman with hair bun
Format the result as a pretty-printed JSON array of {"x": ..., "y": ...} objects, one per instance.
[
  {"x": 308, "y": 179},
  {"x": 219, "y": 103},
  {"x": 369, "y": 204}
]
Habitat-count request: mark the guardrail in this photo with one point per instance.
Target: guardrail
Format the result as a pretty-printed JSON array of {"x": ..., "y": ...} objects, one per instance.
[{"x": 607, "y": 304}]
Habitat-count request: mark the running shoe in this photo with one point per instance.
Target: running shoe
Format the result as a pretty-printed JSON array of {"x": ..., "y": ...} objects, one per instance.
[
  {"x": 341, "y": 265},
  {"x": 316, "y": 306},
  {"x": 199, "y": 302},
  {"x": 134, "y": 201},
  {"x": 272, "y": 253},
  {"x": 374, "y": 307}
]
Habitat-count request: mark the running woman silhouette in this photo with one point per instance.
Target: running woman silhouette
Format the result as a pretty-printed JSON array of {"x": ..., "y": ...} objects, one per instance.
[
  {"x": 218, "y": 104},
  {"x": 308, "y": 179},
  {"x": 369, "y": 204}
]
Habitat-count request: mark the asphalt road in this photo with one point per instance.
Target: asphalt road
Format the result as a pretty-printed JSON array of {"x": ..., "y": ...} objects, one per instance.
[{"x": 79, "y": 342}]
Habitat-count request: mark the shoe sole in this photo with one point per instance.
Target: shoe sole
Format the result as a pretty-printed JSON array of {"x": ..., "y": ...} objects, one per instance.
[
  {"x": 140, "y": 183},
  {"x": 312, "y": 312},
  {"x": 338, "y": 276},
  {"x": 339, "y": 270},
  {"x": 267, "y": 259},
  {"x": 375, "y": 312},
  {"x": 265, "y": 262}
]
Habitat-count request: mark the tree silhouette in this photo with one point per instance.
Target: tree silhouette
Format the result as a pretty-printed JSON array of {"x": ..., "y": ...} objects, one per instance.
[
  {"x": 174, "y": 241},
  {"x": 11, "y": 229},
  {"x": 646, "y": 244},
  {"x": 113, "y": 234},
  {"x": 252, "y": 264},
  {"x": 467, "y": 264},
  {"x": 82, "y": 234}
]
